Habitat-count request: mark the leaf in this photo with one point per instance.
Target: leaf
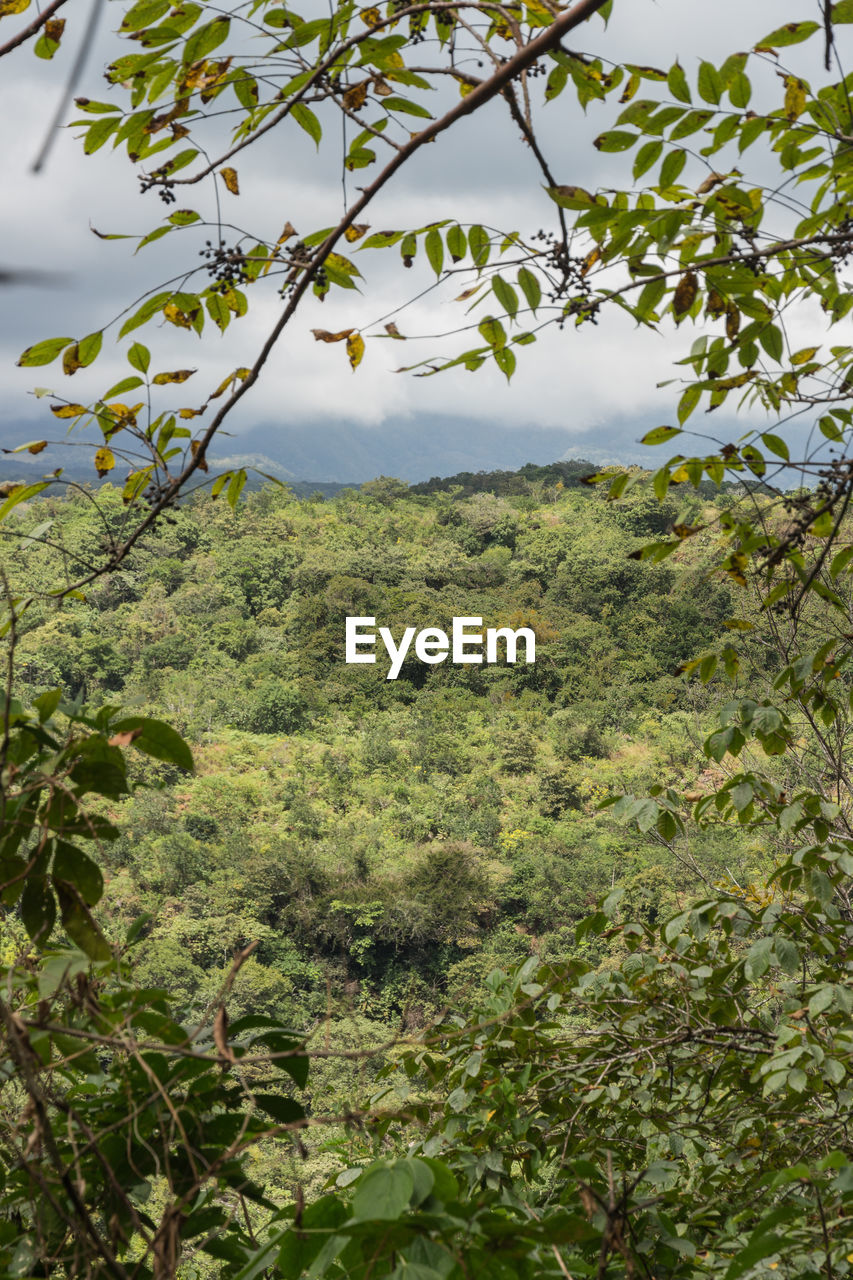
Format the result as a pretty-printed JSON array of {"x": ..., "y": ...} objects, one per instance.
[
  {"x": 10, "y": 7},
  {"x": 688, "y": 402},
  {"x": 78, "y": 869},
  {"x": 323, "y": 335},
  {"x": 78, "y": 923},
  {"x": 685, "y": 293},
  {"x": 356, "y": 231},
  {"x": 393, "y": 332},
  {"x": 672, "y": 166},
  {"x": 710, "y": 87},
  {"x": 355, "y": 350},
  {"x": 177, "y": 375},
  {"x": 677, "y": 83},
  {"x": 434, "y": 247},
  {"x": 615, "y": 140},
  {"x": 383, "y": 1192},
  {"x": 791, "y": 33},
  {"x": 355, "y": 95},
  {"x": 43, "y": 352},
  {"x": 139, "y": 357},
  {"x": 104, "y": 460},
  {"x": 658, "y": 435},
  {"x": 795, "y": 97},
  {"x": 64, "y": 411},
  {"x": 569, "y": 197},
  {"x": 530, "y": 287},
  {"x": 158, "y": 740},
  {"x": 229, "y": 177},
  {"x": 38, "y": 909},
  {"x": 282, "y": 1110},
  {"x": 306, "y": 120}
]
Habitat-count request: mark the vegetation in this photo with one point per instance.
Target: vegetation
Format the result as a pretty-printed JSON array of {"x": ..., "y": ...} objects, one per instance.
[{"x": 319, "y": 930}]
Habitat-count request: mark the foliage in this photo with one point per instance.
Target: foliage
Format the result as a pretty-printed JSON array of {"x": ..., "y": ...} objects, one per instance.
[{"x": 665, "y": 1097}]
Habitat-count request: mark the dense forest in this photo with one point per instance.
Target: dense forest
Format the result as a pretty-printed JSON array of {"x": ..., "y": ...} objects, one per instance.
[
  {"x": 374, "y": 863},
  {"x": 389, "y": 840}
]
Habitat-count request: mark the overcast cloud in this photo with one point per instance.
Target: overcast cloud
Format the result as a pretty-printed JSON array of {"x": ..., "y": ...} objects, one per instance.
[{"x": 596, "y": 377}]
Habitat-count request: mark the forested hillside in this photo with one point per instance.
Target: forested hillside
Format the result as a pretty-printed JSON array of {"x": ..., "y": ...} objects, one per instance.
[{"x": 388, "y": 841}]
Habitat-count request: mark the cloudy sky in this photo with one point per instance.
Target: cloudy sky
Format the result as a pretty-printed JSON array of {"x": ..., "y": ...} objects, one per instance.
[{"x": 590, "y": 382}]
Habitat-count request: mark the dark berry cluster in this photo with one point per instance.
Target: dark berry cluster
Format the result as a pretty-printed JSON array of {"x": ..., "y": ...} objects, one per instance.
[
  {"x": 225, "y": 266},
  {"x": 165, "y": 189},
  {"x": 567, "y": 275}
]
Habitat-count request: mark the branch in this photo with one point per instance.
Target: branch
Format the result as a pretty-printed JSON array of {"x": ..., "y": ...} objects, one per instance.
[
  {"x": 37, "y": 23},
  {"x": 478, "y": 97}
]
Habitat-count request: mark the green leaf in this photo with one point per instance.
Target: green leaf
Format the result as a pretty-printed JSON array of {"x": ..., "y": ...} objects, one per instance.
[
  {"x": 156, "y": 739},
  {"x": 383, "y": 1192},
  {"x": 647, "y": 156},
  {"x": 282, "y": 1110},
  {"x": 457, "y": 243},
  {"x": 76, "y": 867},
  {"x": 506, "y": 295},
  {"x": 149, "y": 308},
  {"x": 479, "y": 245},
  {"x": 530, "y": 287},
  {"x": 615, "y": 140},
  {"x": 38, "y": 909},
  {"x": 43, "y": 352},
  {"x": 206, "y": 39},
  {"x": 306, "y": 120},
  {"x": 791, "y": 33},
  {"x": 710, "y": 87},
  {"x": 434, "y": 248},
  {"x": 139, "y": 357},
  {"x": 78, "y": 923},
  {"x": 688, "y": 402},
  {"x": 672, "y": 166},
  {"x": 677, "y": 83},
  {"x": 659, "y": 435},
  {"x": 235, "y": 488}
]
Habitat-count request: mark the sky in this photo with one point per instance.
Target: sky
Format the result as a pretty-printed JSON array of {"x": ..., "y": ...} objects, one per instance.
[{"x": 595, "y": 384}]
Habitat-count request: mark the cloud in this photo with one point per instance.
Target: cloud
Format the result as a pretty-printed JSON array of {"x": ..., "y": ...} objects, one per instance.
[{"x": 579, "y": 380}]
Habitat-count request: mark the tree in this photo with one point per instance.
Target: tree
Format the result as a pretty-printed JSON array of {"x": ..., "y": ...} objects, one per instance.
[{"x": 654, "y": 1127}]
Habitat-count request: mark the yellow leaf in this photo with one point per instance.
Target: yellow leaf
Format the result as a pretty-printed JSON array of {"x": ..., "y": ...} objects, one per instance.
[
  {"x": 190, "y": 413},
  {"x": 229, "y": 177},
  {"x": 355, "y": 349},
  {"x": 355, "y": 95},
  {"x": 288, "y": 230},
  {"x": 178, "y": 375},
  {"x": 356, "y": 231},
  {"x": 466, "y": 84},
  {"x": 104, "y": 460},
  {"x": 71, "y": 359},
  {"x": 174, "y": 315},
  {"x": 323, "y": 335},
  {"x": 8, "y": 7},
  {"x": 68, "y": 410},
  {"x": 590, "y": 260},
  {"x": 54, "y": 28},
  {"x": 195, "y": 445},
  {"x": 795, "y": 97},
  {"x": 803, "y": 357},
  {"x": 238, "y": 375},
  {"x": 371, "y": 16}
]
